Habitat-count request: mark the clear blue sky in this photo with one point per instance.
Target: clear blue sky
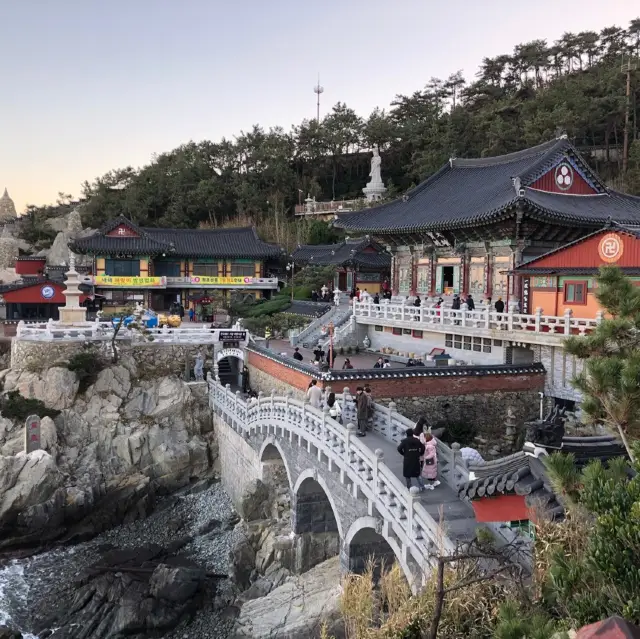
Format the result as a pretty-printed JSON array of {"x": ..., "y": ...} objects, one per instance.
[{"x": 91, "y": 85}]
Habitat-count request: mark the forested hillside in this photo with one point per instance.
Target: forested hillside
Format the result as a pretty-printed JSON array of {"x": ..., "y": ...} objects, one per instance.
[{"x": 576, "y": 85}]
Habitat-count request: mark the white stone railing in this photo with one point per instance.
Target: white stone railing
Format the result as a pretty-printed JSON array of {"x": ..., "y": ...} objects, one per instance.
[
  {"x": 393, "y": 426},
  {"x": 102, "y": 331},
  {"x": 441, "y": 319},
  {"x": 416, "y": 532}
]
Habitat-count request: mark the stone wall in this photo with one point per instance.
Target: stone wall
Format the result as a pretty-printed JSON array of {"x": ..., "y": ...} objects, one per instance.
[
  {"x": 266, "y": 375},
  {"x": 157, "y": 358},
  {"x": 239, "y": 463},
  {"x": 497, "y": 418}
]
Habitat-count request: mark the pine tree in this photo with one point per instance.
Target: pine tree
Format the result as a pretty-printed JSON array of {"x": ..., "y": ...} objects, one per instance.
[{"x": 610, "y": 379}]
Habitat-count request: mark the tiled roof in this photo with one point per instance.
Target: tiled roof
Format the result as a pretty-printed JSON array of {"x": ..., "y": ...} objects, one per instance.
[
  {"x": 481, "y": 191},
  {"x": 523, "y": 474},
  {"x": 611, "y": 628},
  {"x": 351, "y": 251},
  {"x": 569, "y": 270},
  {"x": 307, "y": 309},
  {"x": 223, "y": 243}
]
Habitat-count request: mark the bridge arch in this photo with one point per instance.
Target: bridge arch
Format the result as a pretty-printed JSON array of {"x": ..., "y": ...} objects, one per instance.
[
  {"x": 271, "y": 456},
  {"x": 367, "y": 539}
]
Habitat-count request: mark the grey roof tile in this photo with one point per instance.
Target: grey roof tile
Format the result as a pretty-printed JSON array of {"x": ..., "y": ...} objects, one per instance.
[{"x": 480, "y": 191}]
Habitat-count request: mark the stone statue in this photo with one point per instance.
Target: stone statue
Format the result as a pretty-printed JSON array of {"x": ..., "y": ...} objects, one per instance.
[
  {"x": 375, "y": 188},
  {"x": 375, "y": 173},
  {"x": 548, "y": 432},
  {"x": 198, "y": 368},
  {"x": 366, "y": 342}
]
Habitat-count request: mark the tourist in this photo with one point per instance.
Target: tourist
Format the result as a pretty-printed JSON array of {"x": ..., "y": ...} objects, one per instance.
[
  {"x": 334, "y": 408},
  {"x": 379, "y": 363},
  {"x": 371, "y": 406},
  {"x": 418, "y": 432},
  {"x": 417, "y": 301},
  {"x": 376, "y": 299},
  {"x": 297, "y": 355},
  {"x": 455, "y": 306},
  {"x": 412, "y": 450},
  {"x": 471, "y": 456},
  {"x": 358, "y": 293},
  {"x": 314, "y": 295},
  {"x": 386, "y": 364},
  {"x": 314, "y": 394},
  {"x": 347, "y": 364},
  {"x": 245, "y": 379},
  {"x": 181, "y": 311},
  {"x": 192, "y": 315},
  {"x": 410, "y": 362},
  {"x": 317, "y": 354},
  {"x": 362, "y": 406},
  {"x": 471, "y": 305},
  {"x": 499, "y": 306},
  {"x": 430, "y": 465}
]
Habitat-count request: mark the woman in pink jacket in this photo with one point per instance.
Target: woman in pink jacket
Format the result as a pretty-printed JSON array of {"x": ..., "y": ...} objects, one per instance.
[{"x": 429, "y": 461}]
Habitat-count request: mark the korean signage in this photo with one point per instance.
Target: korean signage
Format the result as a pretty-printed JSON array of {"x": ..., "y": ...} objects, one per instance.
[
  {"x": 611, "y": 248},
  {"x": 526, "y": 284},
  {"x": 130, "y": 282},
  {"x": 232, "y": 336},
  {"x": 206, "y": 280},
  {"x": 32, "y": 434},
  {"x": 230, "y": 352}
]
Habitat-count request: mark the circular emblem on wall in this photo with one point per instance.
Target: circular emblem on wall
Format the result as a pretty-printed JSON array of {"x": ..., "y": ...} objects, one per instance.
[
  {"x": 611, "y": 248},
  {"x": 47, "y": 292},
  {"x": 564, "y": 176}
]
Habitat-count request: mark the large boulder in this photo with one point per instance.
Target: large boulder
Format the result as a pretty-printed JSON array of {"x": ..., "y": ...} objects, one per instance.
[
  {"x": 26, "y": 480},
  {"x": 175, "y": 583},
  {"x": 56, "y": 388},
  {"x": 255, "y": 501},
  {"x": 297, "y": 609}
]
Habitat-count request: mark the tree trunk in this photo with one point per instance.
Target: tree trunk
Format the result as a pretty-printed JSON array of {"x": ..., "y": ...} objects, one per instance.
[
  {"x": 625, "y": 442},
  {"x": 437, "y": 613}
]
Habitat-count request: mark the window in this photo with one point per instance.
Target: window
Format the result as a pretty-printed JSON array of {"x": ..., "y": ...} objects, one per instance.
[
  {"x": 209, "y": 270},
  {"x": 397, "y": 331},
  {"x": 497, "y": 342},
  {"x": 417, "y": 334},
  {"x": 448, "y": 341},
  {"x": 575, "y": 292},
  {"x": 486, "y": 345},
  {"x": 467, "y": 343},
  {"x": 168, "y": 269},
  {"x": 122, "y": 268},
  {"x": 243, "y": 270},
  {"x": 120, "y": 297},
  {"x": 477, "y": 344},
  {"x": 378, "y": 329},
  {"x": 406, "y": 331}
]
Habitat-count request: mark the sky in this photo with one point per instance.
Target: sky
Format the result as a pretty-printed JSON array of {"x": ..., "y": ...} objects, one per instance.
[{"x": 87, "y": 86}]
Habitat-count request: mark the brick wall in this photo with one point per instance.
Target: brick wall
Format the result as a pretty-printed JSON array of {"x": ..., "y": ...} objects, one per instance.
[
  {"x": 265, "y": 375},
  {"x": 440, "y": 386}
]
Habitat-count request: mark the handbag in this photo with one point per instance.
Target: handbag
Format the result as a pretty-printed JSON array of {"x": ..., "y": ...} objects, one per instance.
[{"x": 429, "y": 461}]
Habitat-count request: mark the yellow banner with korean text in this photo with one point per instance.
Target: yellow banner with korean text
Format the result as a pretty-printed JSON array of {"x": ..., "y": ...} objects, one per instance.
[
  {"x": 130, "y": 282},
  {"x": 206, "y": 280}
]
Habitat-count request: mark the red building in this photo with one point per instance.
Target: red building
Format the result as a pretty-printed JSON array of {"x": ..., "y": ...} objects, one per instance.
[{"x": 564, "y": 279}]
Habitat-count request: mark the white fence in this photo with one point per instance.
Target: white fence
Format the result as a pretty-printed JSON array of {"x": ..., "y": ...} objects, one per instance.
[
  {"x": 431, "y": 318},
  {"x": 408, "y": 527},
  {"x": 103, "y": 331}
]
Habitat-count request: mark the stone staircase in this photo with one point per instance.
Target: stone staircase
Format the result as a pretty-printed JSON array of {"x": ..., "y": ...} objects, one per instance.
[{"x": 339, "y": 316}]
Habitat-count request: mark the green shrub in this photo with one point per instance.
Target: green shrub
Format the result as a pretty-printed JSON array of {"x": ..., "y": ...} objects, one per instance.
[
  {"x": 299, "y": 293},
  {"x": 17, "y": 407},
  {"x": 86, "y": 364}
]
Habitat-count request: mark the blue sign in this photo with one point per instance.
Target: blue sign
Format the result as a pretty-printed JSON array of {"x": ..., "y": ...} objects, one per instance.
[{"x": 47, "y": 292}]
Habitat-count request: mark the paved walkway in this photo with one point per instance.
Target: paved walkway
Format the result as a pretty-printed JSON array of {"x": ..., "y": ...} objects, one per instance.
[
  {"x": 359, "y": 361},
  {"x": 459, "y": 520}
]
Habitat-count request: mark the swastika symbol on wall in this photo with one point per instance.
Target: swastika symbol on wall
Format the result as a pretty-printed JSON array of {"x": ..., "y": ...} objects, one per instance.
[{"x": 611, "y": 248}]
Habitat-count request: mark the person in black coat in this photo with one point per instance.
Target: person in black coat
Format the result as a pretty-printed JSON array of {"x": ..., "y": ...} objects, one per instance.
[
  {"x": 499, "y": 306},
  {"x": 411, "y": 449},
  {"x": 297, "y": 355}
]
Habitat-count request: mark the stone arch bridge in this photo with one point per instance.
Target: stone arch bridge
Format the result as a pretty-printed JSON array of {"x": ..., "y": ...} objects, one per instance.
[{"x": 344, "y": 497}]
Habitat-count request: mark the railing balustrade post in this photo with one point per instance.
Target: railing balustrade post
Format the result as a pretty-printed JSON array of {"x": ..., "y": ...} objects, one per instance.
[
  {"x": 390, "y": 410},
  {"x": 351, "y": 430},
  {"x": 538, "y": 318},
  {"x": 510, "y": 317},
  {"x": 567, "y": 321},
  {"x": 487, "y": 315},
  {"x": 463, "y": 309},
  {"x": 599, "y": 316},
  {"x": 378, "y": 457},
  {"x": 455, "y": 456},
  {"x": 413, "y": 491}
]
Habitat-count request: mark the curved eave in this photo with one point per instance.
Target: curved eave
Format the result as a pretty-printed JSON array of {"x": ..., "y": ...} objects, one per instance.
[{"x": 543, "y": 214}]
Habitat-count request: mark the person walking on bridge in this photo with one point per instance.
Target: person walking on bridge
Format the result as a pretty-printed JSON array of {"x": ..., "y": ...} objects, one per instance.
[
  {"x": 314, "y": 394},
  {"x": 362, "y": 408},
  {"x": 412, "y": 449}
]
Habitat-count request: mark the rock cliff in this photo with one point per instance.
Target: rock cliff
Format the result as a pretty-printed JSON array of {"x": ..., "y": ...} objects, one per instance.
[{"x": 106, "y": 454}]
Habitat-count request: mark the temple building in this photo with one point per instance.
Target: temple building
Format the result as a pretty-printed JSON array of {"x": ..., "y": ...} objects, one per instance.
[
  {"x": 466, "y": 226},
  {"x": 563, "y": 279},
  {"x": 494, "y": 228},
  {"x": 159, "y": 267},
  {"x": 7, "y": 208},
  {"x": 359, "y": 263}
]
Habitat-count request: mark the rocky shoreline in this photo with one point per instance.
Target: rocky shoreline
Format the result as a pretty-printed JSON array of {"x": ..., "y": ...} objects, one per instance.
[{"x": 197, "y": 524}]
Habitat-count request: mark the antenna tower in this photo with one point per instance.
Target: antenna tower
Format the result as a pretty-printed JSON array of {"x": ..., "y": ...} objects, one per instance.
[{"x": 318, "y": 89}]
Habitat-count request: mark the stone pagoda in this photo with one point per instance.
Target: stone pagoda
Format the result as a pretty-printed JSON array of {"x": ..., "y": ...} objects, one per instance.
[
  {"x": 72, "y": 312},
  {"x": 7, "y": 208}
]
